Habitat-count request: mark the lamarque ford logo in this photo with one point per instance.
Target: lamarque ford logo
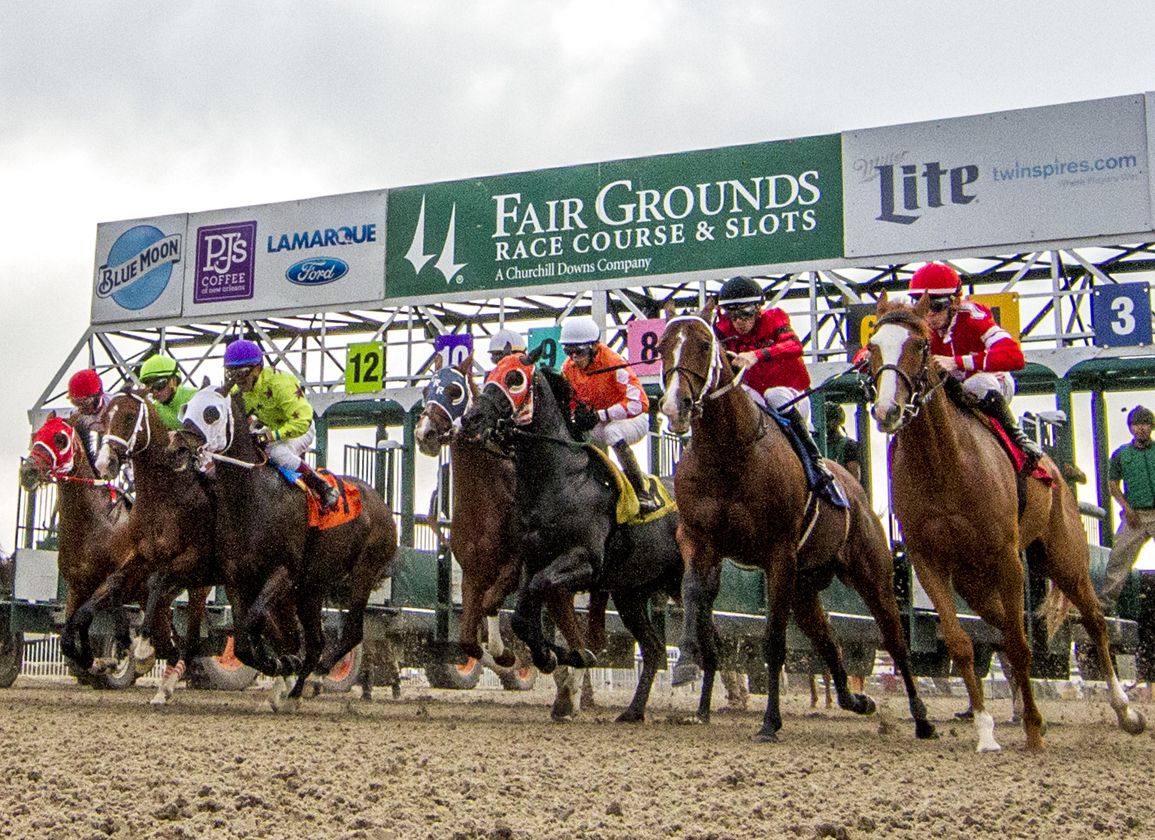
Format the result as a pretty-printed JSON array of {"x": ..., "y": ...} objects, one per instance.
[
  {"x": 447, "y": 262},
  {"x": 910, "y": 189}
]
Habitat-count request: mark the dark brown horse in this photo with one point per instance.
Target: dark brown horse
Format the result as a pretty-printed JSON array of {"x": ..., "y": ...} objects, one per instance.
[
  {"x": 954, "y": 492},
  {"x": 170, "y": 536},
  {"x": 91, "y": 527},
  {"x": 270, "y": 555},
  {"x": 743, "y": 495},
  {"x": 480, "y": 537}
]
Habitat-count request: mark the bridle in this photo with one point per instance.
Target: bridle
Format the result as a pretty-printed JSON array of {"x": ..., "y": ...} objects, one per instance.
[
  {"x": 140, "y": 423},
  {"x": 215, "y": 443},
  {"x": 919, "y": 386},
  {"x": 61, "y": 464},
  {"x": 710, "y": 388},
  {"x": 437, "y": 396}
]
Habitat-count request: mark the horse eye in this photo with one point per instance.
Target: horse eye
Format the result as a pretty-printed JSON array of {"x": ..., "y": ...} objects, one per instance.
[
  {"x": 211, "y": 415},
  {"x": 60, "y": 440},
  {"x": 515, "y": 381}
]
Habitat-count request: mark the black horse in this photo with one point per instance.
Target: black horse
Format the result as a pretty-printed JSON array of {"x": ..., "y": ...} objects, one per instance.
[
  {"x": 565, "y": 529},
  {"x": 269, "y": 553}
]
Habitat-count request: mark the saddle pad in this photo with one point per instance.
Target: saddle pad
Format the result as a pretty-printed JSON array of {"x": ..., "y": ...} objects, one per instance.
[
  {"x": 628, "y": 508},
  {"x": 347, "y": 509},
  {"x": 1016, "y": 455}
]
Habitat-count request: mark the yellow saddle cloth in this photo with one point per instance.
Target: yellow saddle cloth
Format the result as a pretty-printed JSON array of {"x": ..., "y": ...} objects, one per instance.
[{"x": 628, "y": 511}]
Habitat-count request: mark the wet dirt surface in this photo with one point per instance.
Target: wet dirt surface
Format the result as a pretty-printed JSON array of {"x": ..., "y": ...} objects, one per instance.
[{"x": 78, "y": 763}]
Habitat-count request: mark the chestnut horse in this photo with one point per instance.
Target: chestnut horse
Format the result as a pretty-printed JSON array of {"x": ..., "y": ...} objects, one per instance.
[
  {"x": 483, "y": 493},
  {"x": 91, "y": 528},
  {"x": 565, "y": 526},
  {"x": 742, "y": 494},
  {"x": 170, "y": 534},
  {"x": 270, "y": 555},
  {"x": 954, "y": 491}
]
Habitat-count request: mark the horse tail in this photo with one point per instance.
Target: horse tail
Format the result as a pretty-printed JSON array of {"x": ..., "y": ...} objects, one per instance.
[{"x": 1056, "y": 608}]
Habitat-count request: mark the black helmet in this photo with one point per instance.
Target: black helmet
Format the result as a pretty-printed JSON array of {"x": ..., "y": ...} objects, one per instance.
[{"x": 738, "y": 291}]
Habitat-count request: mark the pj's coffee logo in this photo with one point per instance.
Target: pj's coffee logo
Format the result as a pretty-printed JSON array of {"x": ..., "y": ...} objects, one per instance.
[{"x": 224, "y": 267}]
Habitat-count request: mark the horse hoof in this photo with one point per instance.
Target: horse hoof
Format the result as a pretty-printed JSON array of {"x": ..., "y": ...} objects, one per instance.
[
  {"x": 1132, "y": 721},
  {"x": 505, "y": 659},
  {"x": 684, "y": 674},
  {"x": 765, "y": 737},
  {"x": 865, "y": 704},
  {"x": 924, "y": 730},
  {"x": 965, "y": 714},
  {"x": 546, "y": 664},
  {"x": 160, "y": 699},
  {"x": 630, "y": 716}
]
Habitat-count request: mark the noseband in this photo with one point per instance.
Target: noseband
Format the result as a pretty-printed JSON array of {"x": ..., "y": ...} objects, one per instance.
[
  {"x": 129, "y": 444},
  {"x": 919, "y": 386}
]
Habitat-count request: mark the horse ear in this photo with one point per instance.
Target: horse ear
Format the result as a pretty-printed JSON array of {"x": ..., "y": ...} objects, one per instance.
[
  {"x": 127, "y": 387},
  {"x": 668, "y": 309},
  {"x": 223, "y": 390},
  {"x": 923, "y": 306},
  {"x": 534, "y": 355},
  {"x": 438, "y": 362},
  {"x": 52, "y": 415},
  {"x": 710, "y": 309},
  {"x": 205, "y": 382},
  {"x": 883, "y": 302},
  {"x": 465, "y": 365}
]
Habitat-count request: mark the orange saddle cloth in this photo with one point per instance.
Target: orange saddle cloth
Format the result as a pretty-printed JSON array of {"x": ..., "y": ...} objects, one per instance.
[{"x": 348, "y": 508}]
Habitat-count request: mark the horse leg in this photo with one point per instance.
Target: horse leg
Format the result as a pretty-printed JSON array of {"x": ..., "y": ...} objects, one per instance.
[
  {"x": 1071, "y": 577},
  {"x": 491, "y": 602},
  {"x": 877, "y": 593},
  {"x": 811, "y": 619},
  {"x": 634, "y": 610},
  {"x": 469, "y": 635},
  {"x": 779, "y": 571},
  {"x": 309, "y": 607},
  {"x": 561, "y": 610},
  {"x": 571, "y": 571},
  {"x": 144, "y": 649},
  {"x": 526, "y": 623},
  {"x": 278, "y": 586},
  {"x": 74, "y": 641},
  {"x": 961, "y": 650},
  {"x": 1019, "y": 653}
]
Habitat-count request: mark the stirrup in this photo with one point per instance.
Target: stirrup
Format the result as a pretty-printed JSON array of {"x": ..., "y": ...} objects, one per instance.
[{"x": 329, "y": 498}]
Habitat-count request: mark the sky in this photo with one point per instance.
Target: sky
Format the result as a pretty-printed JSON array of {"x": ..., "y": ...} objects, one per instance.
[{"x": 114, "y": 110}]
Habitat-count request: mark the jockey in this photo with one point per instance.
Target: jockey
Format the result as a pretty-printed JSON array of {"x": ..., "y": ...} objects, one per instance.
[
  {"x": 763, "y": 342},
  {"x": 86, "y": 393},
  {"x": 505, "y": 342},
  {"x": 284, "y": 417},
  {"x": 161, "y": 376},
  {"x": 969, "y": 345},
  {"x": 609, "y": 398}
]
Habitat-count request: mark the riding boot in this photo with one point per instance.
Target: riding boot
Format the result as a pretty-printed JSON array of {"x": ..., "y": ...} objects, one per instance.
[
  {"x": 994, "y": 406},
  {"x": 646, "y": 500},
  {"x": 325, "y": 492},
  {"x": 803, "y": 432}
]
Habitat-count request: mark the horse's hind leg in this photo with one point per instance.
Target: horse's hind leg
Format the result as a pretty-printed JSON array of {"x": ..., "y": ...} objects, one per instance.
[
  {"x": 561, "y": 609},
  {"x": 309, "y": 606},
  {"x": 812, "y": 621},
  {"x": 1019, "y": 653},
  {"x": 633, "y": 608}
]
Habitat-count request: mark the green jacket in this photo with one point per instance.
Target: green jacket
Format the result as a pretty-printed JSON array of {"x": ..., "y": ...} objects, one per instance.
[
  {"x": 278, "y": 401},
  {"x": 170, "y": 411}
]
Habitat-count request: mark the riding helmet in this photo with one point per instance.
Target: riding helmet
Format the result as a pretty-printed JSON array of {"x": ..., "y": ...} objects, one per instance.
[
  {"x": 580, "y": 329},
  {"x": 935, "y": 279},
  {"x": 507, "y": 341},
  {"x": 243, "y": 353},
  {"x": 739, "y": 290},
  {"x": 159, "y": 366},
  {"x": 85, "y": 383}
]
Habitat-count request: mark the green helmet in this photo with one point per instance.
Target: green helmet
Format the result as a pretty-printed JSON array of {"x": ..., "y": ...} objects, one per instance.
[{"x": 157, "y": 367}]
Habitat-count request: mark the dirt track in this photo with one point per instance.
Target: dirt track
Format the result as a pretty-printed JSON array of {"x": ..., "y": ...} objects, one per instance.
[{"x": 83, "y": 764}]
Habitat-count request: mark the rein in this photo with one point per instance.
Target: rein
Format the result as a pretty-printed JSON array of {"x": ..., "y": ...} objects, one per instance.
[
  {"x": 710, "y": 388},
  {"x": 141, "y": 422},
  {"x": 920, "y": 391}
]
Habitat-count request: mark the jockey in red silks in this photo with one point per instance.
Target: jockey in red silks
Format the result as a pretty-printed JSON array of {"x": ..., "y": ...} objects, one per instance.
[
  {"x": 969, "y": 345},
  {"x": 763, "y": 342},
  {"x": 610, "y": 399}
]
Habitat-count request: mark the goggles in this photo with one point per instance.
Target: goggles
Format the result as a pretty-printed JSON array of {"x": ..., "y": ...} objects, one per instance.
[
  {"x": 740, "y": 312},
  {"x": 157, "y": 385},
  {"x": 939, "y": 304},
  {"x": 578, "y": 349}
]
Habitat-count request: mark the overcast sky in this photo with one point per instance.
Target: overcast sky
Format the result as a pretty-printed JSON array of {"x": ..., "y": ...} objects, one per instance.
[{"x": 125, "y": 110}]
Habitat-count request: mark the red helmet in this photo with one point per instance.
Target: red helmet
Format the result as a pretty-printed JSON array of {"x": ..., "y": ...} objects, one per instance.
[
  {"x": 85, "y": 383},
  {"x": 935, "y": 279}
]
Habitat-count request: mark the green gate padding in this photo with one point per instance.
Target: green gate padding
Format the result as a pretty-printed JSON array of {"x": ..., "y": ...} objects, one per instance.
[
  {"x": 744, "y": 591},
  {"x": 415, "y": 578}
]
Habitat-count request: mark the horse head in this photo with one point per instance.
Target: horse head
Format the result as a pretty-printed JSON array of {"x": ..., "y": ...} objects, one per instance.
[
  {"x": 693, "y": 367},
  {"x": 128, "y": 431},
  {"x": 448, "y": 397},
  {"x": 51, "y": 455},
  {"x": 900, "y": 370},
  {"x": 208, "y": 428}
]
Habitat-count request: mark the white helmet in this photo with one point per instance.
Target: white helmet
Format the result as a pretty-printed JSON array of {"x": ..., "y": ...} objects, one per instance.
[
  {"x": 506, "y": 341},
  {"x": 580, "y": 329}
]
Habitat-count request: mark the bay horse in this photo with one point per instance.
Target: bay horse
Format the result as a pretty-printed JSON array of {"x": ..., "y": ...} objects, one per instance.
[
  {"x": 742, "y": 494},
  {"x": 269, "y": 553},
  {"x": 565, "y": 529},
  {"x": 91, "y": 527},
  {"x": 169, "y": 533},
  {"x": 481, "y": 537},
  {"x": 954, "y": 492}
]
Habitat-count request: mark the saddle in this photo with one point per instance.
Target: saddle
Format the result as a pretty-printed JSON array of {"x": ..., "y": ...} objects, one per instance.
[
  {"x": 1018, "y": 458},
  {"x": 347, "y": 509},
  {"x": 628, "y": 507}
]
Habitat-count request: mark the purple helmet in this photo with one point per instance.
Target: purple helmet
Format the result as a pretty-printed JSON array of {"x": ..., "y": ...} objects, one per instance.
[{"x": 243, "y": 353}]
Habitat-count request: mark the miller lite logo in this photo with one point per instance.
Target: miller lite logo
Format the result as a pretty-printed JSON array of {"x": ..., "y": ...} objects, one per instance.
[
  {"x": 906, "y": 188},
  {"x": 224, "y": 266}
]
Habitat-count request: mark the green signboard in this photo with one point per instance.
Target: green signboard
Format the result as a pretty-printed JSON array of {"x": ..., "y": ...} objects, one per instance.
[
  {"x": 364, "y": 367},
  {"x": 759, "y": 205}
]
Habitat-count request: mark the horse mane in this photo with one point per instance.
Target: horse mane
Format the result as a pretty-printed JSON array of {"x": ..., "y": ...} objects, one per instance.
[{"x": 563, "y": 393}]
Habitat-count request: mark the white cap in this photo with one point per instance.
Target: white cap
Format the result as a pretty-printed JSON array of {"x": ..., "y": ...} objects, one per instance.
[
  {"x": 504, "y": 341},
  {"x": 580, "y": 329}
]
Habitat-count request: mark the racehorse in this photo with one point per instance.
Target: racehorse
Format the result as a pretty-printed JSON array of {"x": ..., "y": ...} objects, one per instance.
[
  {"x": 91, "y": 526},
  {"x": 742, "y": 494},
  {"x": 268, "y": 550},
  {"x": 170, "y": 535},
  {"x": 954, "y": 492},
  {"x": 565, "y": 524},
  {"x": 480, "y": 537}
]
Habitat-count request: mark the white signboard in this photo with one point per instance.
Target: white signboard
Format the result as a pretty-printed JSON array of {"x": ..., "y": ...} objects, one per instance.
[
  {"x": 139, "y": 269},
  {"x": 300, "y": 255},
  {"x": 1053, "y": 173}
]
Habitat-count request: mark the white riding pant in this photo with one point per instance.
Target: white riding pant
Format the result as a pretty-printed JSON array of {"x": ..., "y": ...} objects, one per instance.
[
  {"x": 631, "y": 430},
  {"x": 981, "y": 383},
  {"x": 289, "y": 453},
  {"x": 779, "y": 395}
]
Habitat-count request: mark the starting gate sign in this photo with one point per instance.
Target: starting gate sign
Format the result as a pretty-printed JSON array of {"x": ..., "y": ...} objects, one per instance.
[
  {"x": 549, "y": 338},
  {"x": 642, "y": 345},
  {"x": 1122, "y": 315},
  {"x": 364, "y": 367},
  {"x": 453, "y": 348}
]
